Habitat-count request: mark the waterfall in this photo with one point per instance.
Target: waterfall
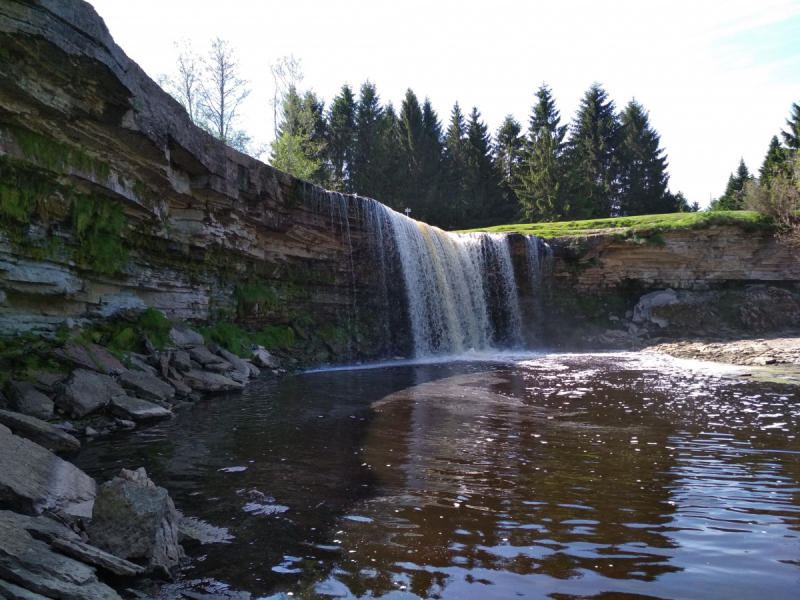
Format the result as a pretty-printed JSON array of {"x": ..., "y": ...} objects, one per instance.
[{"x": 460, "y": 290}]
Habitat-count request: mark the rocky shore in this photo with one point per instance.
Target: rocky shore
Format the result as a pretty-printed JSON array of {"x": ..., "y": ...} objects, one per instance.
[{"x": 61, "y": 534}]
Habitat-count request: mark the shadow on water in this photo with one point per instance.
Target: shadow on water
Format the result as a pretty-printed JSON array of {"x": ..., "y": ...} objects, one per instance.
[{"x": 563, "y": 476}]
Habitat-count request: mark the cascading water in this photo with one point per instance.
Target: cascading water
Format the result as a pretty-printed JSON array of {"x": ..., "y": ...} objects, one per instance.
[{"x": 460, "y": 289}]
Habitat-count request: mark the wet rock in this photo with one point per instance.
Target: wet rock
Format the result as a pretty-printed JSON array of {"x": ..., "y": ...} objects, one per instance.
[
  {"x": 134, "y": 519},
  {"x": 107, "y": 361},
  {"x": 125, "y": 424},
  {"x": 219, "y": 367},
  {"x": 238, "y": 376},
  {"x": 183, "y": 337},
  {"x": 86, "y": 392},
  {"x": 163, "y": 364},
  {"x": 91, "y": 555},
  {"x": 146, "y": 386},
  {"x": 140, "y": 363},
  {"x": 33, "y": 480},
  {"x": 181, "y": 361},
  {"x": 45, "y": 381},
  {"x": 91, "y": 432},
  {"x": 137, "y": 409},
  {"x": 41, "y": 528},
  {"x": 26, "y": 399},
  {"x": 238, "y": 364},
  {"x": 76, "y": 354},
  {"x": 36, "y": 430},
  {"x": 203, "y": 381},
  {"x": 262, "y": 358},
  {"x": 32, "y": 565},
  {"x": 203, "y": 356},
  {"x": 643, "y": 311}
]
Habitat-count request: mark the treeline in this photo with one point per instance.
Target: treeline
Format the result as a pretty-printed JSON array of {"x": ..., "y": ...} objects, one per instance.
[
  {"x": 459, "y": 176},
  {"x": 779, "y": 162}
]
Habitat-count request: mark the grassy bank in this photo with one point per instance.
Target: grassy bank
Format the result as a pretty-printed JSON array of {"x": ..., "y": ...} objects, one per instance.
[{"x": 630, "y": 226}]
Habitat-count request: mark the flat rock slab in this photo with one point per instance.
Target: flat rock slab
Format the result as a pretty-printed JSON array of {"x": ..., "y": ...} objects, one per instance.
[
  {"x": 238, "y": 364},
  {"x": 181, "y": 361},
  {"x": 38, "y": 431},
  {"x": 147, "y": 386},
  {"x": 33, "y": 480},
  {"x": 203, "y": 381},
  {"x": 46, "y": 380},
  {"x": 137, "y": 409},
  {"x": 139, "y": 362},
  {"x": 203, "y": 355},
  {"x": 26, "y": 399},
  {"x": 41, "y": 528},
  {"x": 97, "y": 558},
  {"x": 31, "y": 564},
  {"x": 184, "y": 337},
  {"x": 106, "y": 360},
  {"x": 264, "y": 359},
  {"x": 76, "y": 354},
  {"x": 86, "y": 392},
  {"x": 14, "y": 592}
]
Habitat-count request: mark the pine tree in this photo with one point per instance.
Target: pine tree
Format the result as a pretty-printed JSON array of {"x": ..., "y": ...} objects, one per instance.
[
  {"x": 593, "y": 157},
  {"x": 734, "y": 192},
  {"x": 508, "y": 152},
  {"x": 365, "y": 170},
  {"x": 643, "y": 174},
  {"x": 455, "y": 168},
  {"x": 342, "y": 131},
  {"x": 431, "y": 166},
  {"x": 301, "y": 146},
  {"x": 481, "y": 177},
  {"x": 774, "y": 161},
  {"x": 411, "y": 133},
  {"x": 540, "y": 183},
  {"x": 792, "y": 137}
]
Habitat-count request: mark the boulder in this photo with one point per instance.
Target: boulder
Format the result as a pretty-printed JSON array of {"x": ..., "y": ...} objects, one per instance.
[
  {"x": 264, "y": 359},
  {"x": 181, "y": 389},
  {"x": 238, "y": 376},
  {"x": 97, "y": 558},
  {"x": 46, "y": 381},
  {"x": 137, "y": 409},
  {"x": 134, "y": 519},
  {"x": 183, "y": 337},
  {"x": 74, "y": 353},
  {"x": 86, "y": 392},
  {"x": 181, "y": 361},
  {"x": 38, "y": 431},
  {"x": 219, "y": 367},
  {"x": 107, "y": 361},
  {"x": 146, "y": 386},
  {"x": 26, "y": 399},
  {"x": 203, "y": 381},
  {"x": 30, "y": 564},
  {"x": 203, "y": 355},
  {"x": 33, "y": 480}
]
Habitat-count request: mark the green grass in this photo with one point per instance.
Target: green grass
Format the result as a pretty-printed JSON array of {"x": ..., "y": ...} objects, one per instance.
[{"x": 631, "y": 226}]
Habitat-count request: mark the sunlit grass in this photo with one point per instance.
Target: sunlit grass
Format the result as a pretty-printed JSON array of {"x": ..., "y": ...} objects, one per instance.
[{"x": 748, "y": 220}]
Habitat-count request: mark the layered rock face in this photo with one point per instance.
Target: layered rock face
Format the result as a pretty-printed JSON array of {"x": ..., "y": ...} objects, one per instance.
[{"x": 113, "y": 200}]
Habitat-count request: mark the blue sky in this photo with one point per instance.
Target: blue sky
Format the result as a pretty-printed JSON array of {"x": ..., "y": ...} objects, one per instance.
[{"x": 718, "y": 77}]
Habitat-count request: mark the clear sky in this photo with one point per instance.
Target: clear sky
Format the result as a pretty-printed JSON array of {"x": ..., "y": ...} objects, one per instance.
[{"x": 718, "y": 76}]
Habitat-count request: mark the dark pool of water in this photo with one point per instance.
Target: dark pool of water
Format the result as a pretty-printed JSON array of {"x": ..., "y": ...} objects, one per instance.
[{"x": 566, "y": 476}]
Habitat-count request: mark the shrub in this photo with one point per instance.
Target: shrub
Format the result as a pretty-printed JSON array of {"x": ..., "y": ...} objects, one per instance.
[{"x": 779, "y": 199}]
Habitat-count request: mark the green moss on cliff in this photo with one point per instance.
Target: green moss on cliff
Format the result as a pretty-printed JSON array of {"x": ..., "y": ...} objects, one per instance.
[
  {"x": 53, "y": 156},
  {"x": 98, "y": 224}
]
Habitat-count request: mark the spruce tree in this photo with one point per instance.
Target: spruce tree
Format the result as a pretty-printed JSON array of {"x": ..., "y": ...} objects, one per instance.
[
  {"x": 411, "y": 134},
  {"x": 508, "y": 153},
  {"x": 365, "y": 169},
  {"x": 540, "y": 182},
  {"x": 733, "y": 197},
  {"x": 792, "y": 137},
  {"x": 342, "y": 131},
  {"x": 593, "y": 156},
  {"x": 482, "y": 189},
  {"x": 643, "y": 174},
  {"x": 431, "y": 166},
  {"x": 455, "y": 167},
  {"x": 774, "y": 161}
]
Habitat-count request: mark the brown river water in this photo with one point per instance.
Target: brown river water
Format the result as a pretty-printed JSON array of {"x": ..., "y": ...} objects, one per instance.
[{"x": 604, "y": 476}]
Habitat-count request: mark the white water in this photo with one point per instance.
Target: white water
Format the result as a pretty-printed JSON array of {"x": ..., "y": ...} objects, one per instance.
[{"x": 461, "y": 293}]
